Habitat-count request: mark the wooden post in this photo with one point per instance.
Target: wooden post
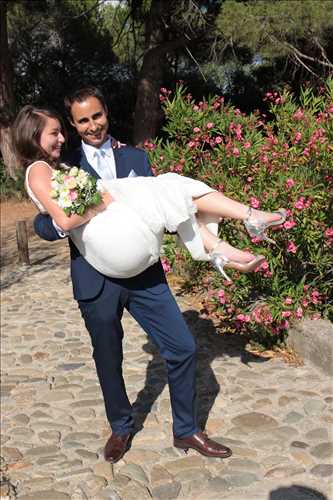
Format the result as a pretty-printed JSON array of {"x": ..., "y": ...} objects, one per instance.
[{"x": 22, "y": 241}]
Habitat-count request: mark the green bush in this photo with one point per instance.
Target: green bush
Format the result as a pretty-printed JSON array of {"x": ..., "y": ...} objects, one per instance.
[{"x": 283, "y": 160}]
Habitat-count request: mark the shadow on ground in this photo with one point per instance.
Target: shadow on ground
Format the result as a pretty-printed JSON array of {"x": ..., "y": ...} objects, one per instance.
[{"x": 210, "y": 345}]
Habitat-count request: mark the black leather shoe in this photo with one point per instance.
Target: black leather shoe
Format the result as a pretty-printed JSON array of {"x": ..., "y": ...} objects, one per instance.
[
  {"x": 201, "y": 443},
  {"x": 116, "y": 447}
]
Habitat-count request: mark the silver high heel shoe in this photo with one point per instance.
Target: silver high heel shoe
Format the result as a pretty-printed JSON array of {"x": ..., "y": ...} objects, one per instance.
[
  {"x": 257, "y": 228},
  {"x": 220, "y": 261}
]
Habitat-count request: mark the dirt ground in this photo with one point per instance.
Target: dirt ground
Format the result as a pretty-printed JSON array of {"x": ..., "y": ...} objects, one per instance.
[{"x": 12, "y": 211}]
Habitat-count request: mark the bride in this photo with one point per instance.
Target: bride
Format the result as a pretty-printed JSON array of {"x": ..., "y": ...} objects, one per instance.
[{"x": 122, "y": 236}]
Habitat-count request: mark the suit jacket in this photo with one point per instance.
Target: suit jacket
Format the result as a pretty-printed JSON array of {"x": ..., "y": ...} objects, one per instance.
[{"x": 87, "y": 282}]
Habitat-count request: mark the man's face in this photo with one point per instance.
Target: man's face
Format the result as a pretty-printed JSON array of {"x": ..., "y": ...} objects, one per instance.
[{"x": 89, "y": 117}]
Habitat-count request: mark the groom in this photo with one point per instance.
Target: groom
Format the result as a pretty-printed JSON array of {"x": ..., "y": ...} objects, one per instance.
[{"x": 147, "y": 297}]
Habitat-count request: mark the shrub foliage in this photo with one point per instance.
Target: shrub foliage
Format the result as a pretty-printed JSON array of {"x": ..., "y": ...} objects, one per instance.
[{"x": 283, "y": 159}]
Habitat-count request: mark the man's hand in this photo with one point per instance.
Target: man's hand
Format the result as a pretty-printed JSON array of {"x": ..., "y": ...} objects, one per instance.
[
  {"x": 117, "y": 144},
  {"x": 107, "y": 198}
]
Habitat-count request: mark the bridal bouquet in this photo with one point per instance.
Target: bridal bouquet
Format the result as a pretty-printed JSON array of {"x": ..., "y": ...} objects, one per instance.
[{"x": 74, "y": 190}]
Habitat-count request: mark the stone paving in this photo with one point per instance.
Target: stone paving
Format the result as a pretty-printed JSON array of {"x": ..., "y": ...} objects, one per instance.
[{"x": 277, "y": 418}]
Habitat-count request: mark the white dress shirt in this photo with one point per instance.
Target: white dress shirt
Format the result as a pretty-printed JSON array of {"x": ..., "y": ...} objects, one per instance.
[{"x": 101, "y": 159}]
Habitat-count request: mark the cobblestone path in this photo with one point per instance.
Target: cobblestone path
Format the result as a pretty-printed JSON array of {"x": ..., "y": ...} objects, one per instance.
[{"x": 277, "y": 418}]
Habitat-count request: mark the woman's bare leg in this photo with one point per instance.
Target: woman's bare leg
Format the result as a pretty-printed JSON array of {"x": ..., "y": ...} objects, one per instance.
[
  {"x": 217, "y": 204},
  {"x": 212, "y": 242}
]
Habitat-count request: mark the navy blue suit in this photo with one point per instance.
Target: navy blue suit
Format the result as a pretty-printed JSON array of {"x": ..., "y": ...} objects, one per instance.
[{"x": 148, "y": 299}]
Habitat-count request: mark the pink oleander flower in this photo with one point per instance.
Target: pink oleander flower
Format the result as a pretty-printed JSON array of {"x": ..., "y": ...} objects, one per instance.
[
  {"x": 304, "y": 303},
  {"x": 298, "y": 115},
  {"x": 235, "y": 152},
  {"x": 192, "y": 144},
  {"x": 298, "y": 137},
  {"x": 306, "y": 152},
  {"x": 254, "y": 202},
  {"x": 286, "y": 314},
  {"x": 196, "y": 129},
  {"x": 289, "y": 224},
  {"x": 329, "y": 232},
  {"x": 178, "y": 168},
  {"x": 264, "y": 266},
  {"x": 166, "y": 265},
  {"x": 299, "y": 204},
  {"x": 315, "y": 297},
  {"x": 244, "y": 318},
  {"x": 221, "y": 296},
  {"x": 284, "y": 324},
  {"x": 299, "y": 313},
  {"x": 291, "y": 247},
  {"x": 247, "y": 145},
  {"x": 210, "y": 125},
  {"x": 218, "y": 139},
  {"x": 288, "y": 301},
  {"x": 290, "y": 183}
]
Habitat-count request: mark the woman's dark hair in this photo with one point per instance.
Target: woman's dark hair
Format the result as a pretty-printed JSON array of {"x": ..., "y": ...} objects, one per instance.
[
  {"x": 26, "y": 132},
  {"x": 81, "y": 95}
]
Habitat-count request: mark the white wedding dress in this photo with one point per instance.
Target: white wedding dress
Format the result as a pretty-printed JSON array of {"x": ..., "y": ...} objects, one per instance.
[{"x": 126, "y": 238}]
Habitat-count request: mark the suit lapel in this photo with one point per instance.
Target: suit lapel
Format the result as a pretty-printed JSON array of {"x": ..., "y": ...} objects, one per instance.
[{"x": 122, "y": 167}]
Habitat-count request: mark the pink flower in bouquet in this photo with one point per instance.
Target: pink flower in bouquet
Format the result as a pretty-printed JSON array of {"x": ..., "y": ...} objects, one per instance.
[
  {"x": 284, "y": 324},
  {"x": 73, "y": 194},
  {"x": 70, "y": 182},
  {"x": 246, "y": 145},
  {"x": 196, "y": 130},
  {"x": 218, "y": 139},
  {"x": 291, "y": 247},
  {"x": 288, "y": 301},
  {"x": 297, "y": 137},
  {"x": 254, "y": 202},
  {"x": 235, "y": 152},
  {"x": 286, "y": 314},
  {"x": 210, "y": 125}
]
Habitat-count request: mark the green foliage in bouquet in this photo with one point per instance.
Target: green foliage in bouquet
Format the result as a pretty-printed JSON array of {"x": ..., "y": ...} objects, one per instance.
[{"x": 283, "y": 159}]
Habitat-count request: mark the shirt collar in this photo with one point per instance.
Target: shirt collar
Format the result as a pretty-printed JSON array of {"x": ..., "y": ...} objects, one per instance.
[{"x": 90, "y": 151}]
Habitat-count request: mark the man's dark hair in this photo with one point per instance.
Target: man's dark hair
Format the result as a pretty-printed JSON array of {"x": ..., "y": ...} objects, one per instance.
[{"x": 81, "y": 95}]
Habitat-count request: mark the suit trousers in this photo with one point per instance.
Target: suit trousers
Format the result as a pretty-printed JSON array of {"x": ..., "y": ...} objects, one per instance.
[{"x": 153, "y": 306}]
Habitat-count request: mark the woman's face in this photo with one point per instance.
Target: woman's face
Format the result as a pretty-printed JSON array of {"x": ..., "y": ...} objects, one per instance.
[{"x": 51, "y": 139}]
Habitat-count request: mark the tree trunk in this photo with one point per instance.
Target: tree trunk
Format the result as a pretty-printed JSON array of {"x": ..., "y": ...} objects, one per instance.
[
  {"x": 148, "y": 114},
  {"x": 7, "y": 105}
]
